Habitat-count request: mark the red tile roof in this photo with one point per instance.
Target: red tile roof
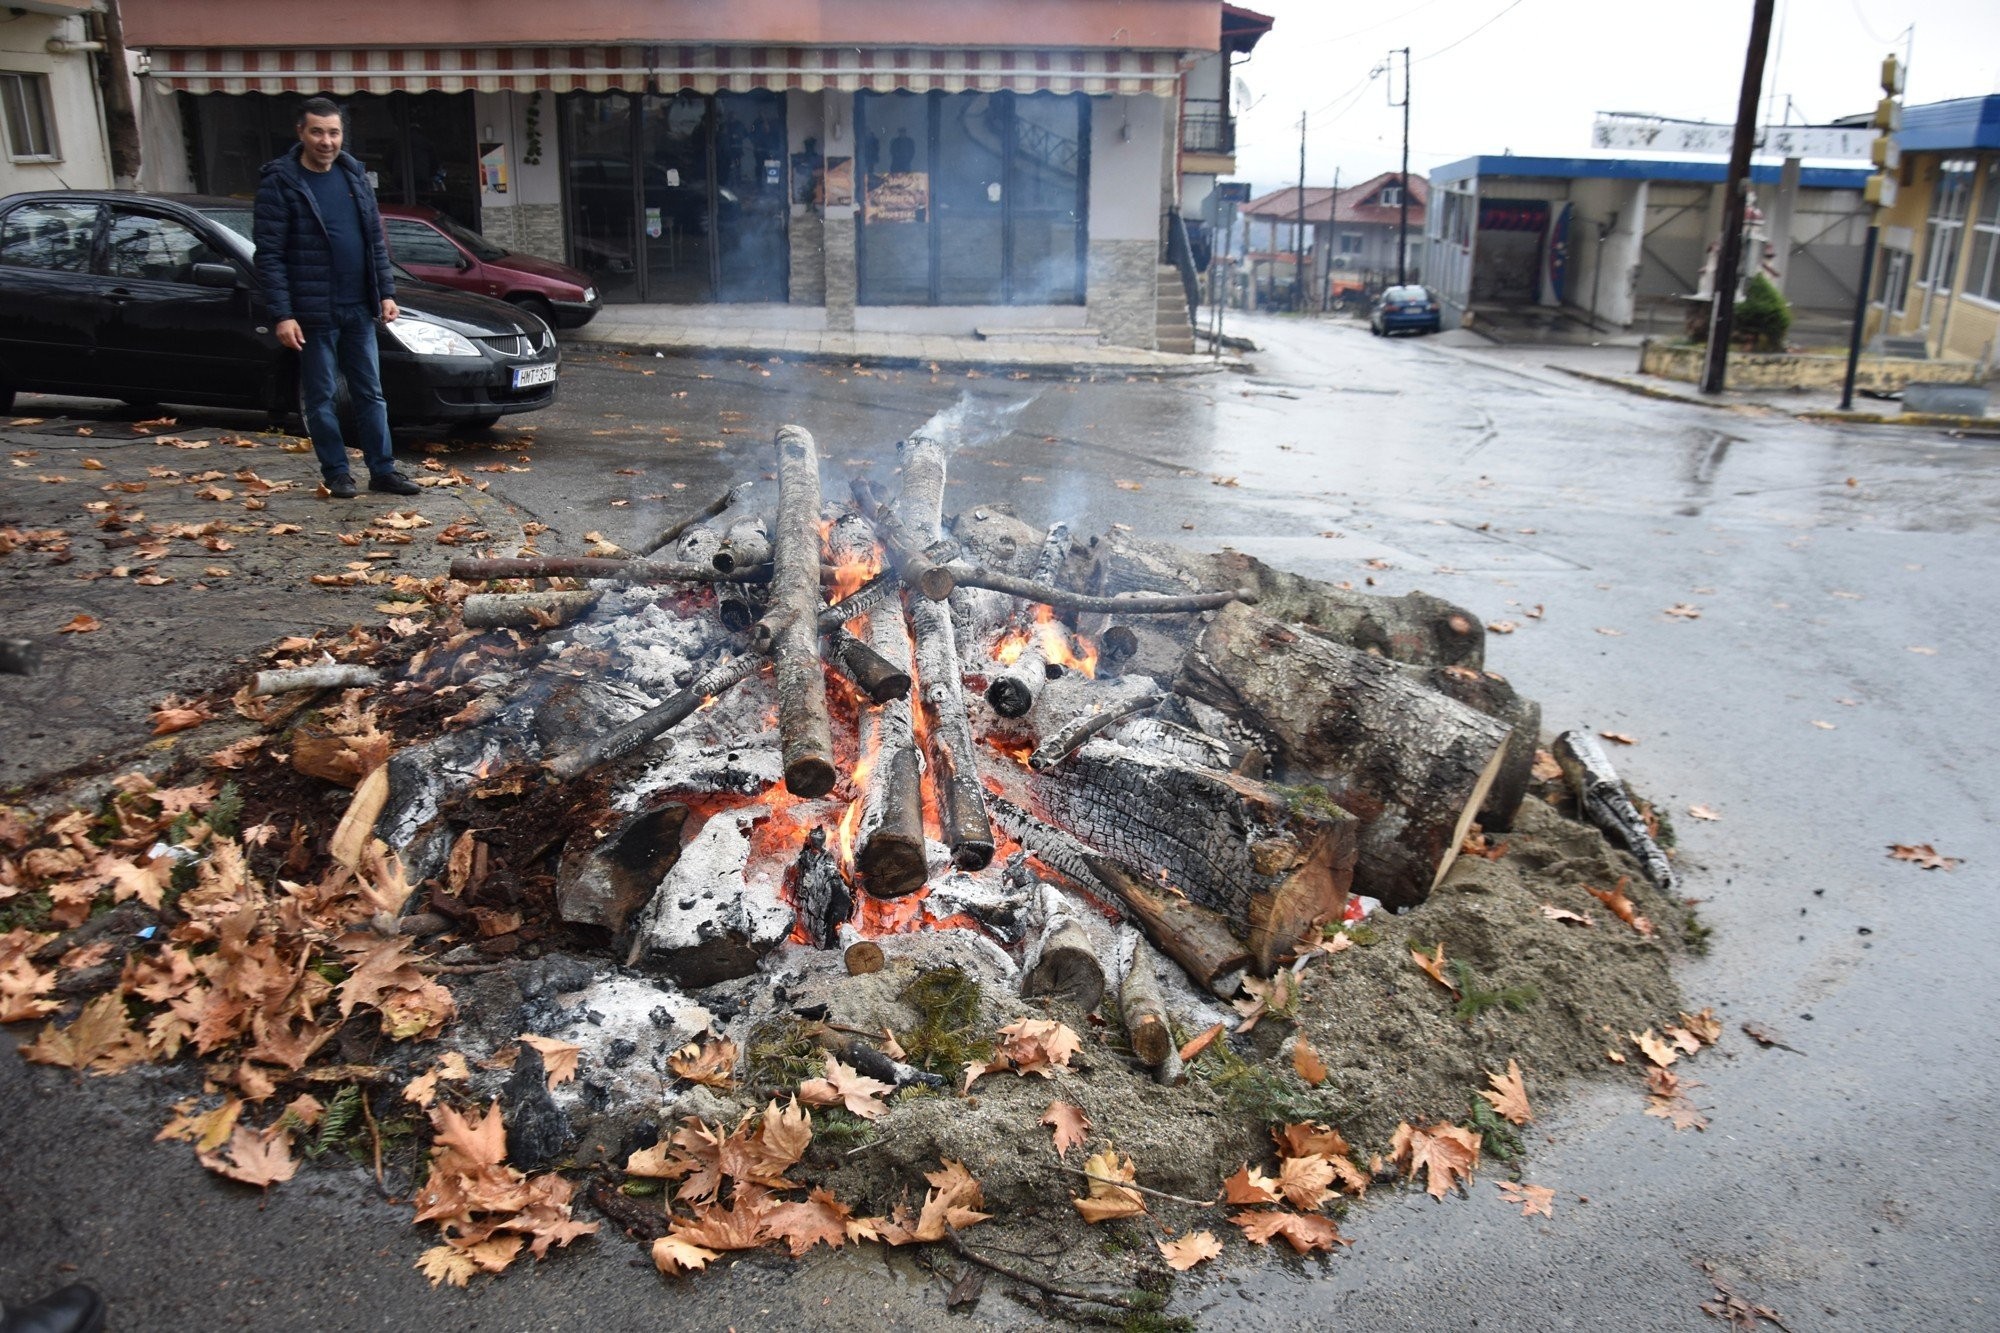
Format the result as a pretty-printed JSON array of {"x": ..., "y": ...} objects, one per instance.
[{"x": 1282, "y": 205}]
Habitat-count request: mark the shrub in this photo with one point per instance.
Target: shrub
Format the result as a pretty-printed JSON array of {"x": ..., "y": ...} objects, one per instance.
[{"x": 1763, "y": 316}]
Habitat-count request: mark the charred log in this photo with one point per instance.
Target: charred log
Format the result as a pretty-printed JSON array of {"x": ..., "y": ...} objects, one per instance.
[
  {"x": 707, "y": 921},
  {"x": 473, "y": 569},
  {"x": 1128, "y": 604},
  {"x": 819, "y": 892},
  {"x": 1413, "y": 765},
  {"x": 889, "y": 839},
  {"x": 908, "y": 540},
  {"x": 526, "y": 610},
  {"x": 623, "y": 739},
  {"x": 749, "y": 541},
  {"x": 1601, "y": 796},
  {"x": 325, "y": 676},
  {"x": 873, "y": 674},
  {"x": 605, "y": 883},
  {"x": 673, "y": 531},
  {"x": 1065, "y": 740},
  {"x": 805, "y": 732},
  {"x": 1062, "y": 957}
]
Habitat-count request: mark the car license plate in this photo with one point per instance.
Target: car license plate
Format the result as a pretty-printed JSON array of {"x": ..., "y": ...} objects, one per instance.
[{"x": 529, "y": 376}]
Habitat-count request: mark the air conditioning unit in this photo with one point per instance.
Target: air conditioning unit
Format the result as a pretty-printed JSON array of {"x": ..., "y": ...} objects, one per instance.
[{"x": 1343, "y": 261}]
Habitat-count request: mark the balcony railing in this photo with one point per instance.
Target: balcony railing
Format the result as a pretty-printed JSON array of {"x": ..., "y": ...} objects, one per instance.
[{"x": 1207, "y": 127}]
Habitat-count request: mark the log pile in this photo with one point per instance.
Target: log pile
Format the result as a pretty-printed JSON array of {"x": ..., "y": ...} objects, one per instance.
[{"x": 1193, "y": 760}]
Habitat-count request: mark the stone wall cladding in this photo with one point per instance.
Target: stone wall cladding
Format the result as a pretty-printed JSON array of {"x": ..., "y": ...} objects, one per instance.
[
  {"x": 1773, "y": 370},
  {"x": 532, "y": 229},
  {"x": 1123, "y": 299},
  {"x": 808, "y": 245},
  {"x": 840, "y": 275}
]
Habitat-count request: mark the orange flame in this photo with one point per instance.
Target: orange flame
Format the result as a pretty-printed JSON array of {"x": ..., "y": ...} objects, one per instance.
[
  {"x": 891, "y": 916},
  {"x": 1055, "y": 643}
]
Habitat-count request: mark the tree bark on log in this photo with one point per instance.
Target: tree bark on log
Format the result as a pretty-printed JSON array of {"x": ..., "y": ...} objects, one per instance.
[
  {"x": 1485, "y": 692},
  {"x": 1416, "y": 627},
  {"x": 748, "y": 543},
  {"x": 1272, "y": 868},
  {"x": 819, "y": 892},
  {"x": 1130, "y": 604},
  {"x": 629, "y": 736},
  {"x": 872, "y": 673},
  {"x": 325, "y": 676},
  {"x": 474, "y": 569},
  {"x": 1194, "y": 937},
  {"x": 889, "y": 840},
  {"x": 1062, "y": 960},
  {"x": 954, "y": 769},
  {"x": 1012, "y": 689},
  {"x": 672, "y": 532},
  {"x": 1144, "y": 1008},
  {"x": 908, "y": 541},
  {"x": 804, "y": 730},
  {"x": 526, "y": 610},
  {"x": 1413, "y": 765},
  {"x": 1601, "y": 796}
]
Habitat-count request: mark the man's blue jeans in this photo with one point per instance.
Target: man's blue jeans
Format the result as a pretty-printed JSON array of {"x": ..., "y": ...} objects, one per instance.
[{"x": 345, "y": 350}]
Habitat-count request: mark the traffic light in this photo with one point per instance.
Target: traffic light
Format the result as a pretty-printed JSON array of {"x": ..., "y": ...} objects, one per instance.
[{"x": 1880, "y": 190}]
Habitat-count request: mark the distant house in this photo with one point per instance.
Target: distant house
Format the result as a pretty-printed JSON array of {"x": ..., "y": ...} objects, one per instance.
[
  {"x": 1937, "y": 271},
  {"x": 50, "y": 110},
  {"x": 1349, "y": 242}
]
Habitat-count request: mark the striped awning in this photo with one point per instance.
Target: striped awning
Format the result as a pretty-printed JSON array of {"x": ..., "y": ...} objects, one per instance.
[{"x": 666, "y": 69}]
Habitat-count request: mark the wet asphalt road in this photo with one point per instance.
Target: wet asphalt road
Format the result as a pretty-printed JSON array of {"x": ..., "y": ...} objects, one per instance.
[{"x": 1849, "y": 1186}]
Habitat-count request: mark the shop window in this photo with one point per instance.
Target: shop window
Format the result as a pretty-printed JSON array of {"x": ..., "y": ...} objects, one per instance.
[
  {"x": 972, "y": 198},
  {"x": 1945, "y": 227},
  {"x": 24, "y": 101},
  {"x": 1983, "y": 280}
]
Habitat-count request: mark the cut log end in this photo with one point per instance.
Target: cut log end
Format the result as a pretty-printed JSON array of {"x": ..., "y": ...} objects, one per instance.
[
  {"x": 864, "y": 957},
  {"x": 1066, "y": 967},
  {"x": 809, "y": 776},
  {"x": 892, "y": 867}
]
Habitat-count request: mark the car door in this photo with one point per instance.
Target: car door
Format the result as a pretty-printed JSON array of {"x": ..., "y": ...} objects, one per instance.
[
  {"x": 430, "y": 254},
  {"x": 50, "y": 301},
  {"x": 165, "y": 335}
]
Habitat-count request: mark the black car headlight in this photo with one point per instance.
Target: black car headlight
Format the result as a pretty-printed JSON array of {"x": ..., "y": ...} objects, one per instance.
[{"x": 426, "y": 339}]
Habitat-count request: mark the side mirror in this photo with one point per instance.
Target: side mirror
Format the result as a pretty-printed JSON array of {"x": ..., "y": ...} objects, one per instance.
[
  {"x": 216, "y": 275},
  {"x": 464, "y": 264}
]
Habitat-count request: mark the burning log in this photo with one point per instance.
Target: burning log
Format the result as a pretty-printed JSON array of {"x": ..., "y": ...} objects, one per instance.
[
  {"x": 819, "y": 892},
  {"x": 709, "y": 921},
  {"x": 1272, "y": 866},
  {"x": 1064, "y": 742},
  {"x": 1415, "y": 627},
  {"x": 1189, "y": 746},
  {"x": 526, "y": 610},
  {"x": 1142, "y": 1006},
  {"x": 1196, "y": 938},
  {"x": 622, "y": 740},
  {"x": 904, "y": 537},
  {"x": 673, "y": 531},
  {"x": 473, "y": 569},
  {"x": 967, "y": 829},
  {"x": 1414, "y": 765},
  {"x": 1062, "y": 957},
  {"x": 805, "y": 732},
  {"x": 888, "y": 838},
  {"x": 1013, "y": 689},
  {"x": 1131, "y": 604},
  {"x": 1600, "y": 795},
  {"x": 875, "y": 675},
  {"x": 748, "y": 542},
  {"x": 325, "y": 676},
  {"x": 605, "y": 883}
]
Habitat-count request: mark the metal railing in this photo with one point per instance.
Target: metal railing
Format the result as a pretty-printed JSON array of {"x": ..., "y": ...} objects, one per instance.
[{"x": 1207, "y": 127}]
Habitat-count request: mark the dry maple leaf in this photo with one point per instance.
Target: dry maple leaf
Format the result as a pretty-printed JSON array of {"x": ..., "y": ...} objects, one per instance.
[
  {"x": 447, "y": 1264},
  {"x": 1305, "y": 1234},
  {"x": 101, "y": 1040},
  {"x": 822, "y": 1219},
  {"x": 1532, "y": 1198},
  {"x": 1621, "y": 906},
  {"x": 674, "y": 1254},
  {"x": 176, "y": 714},
  {"x": 253, "y": 1157},
  {"x": 1446, "y": 1153},
  {"x": 1307, "y": 1064},
  {"x": 1619, "y": 737},
  {"x": 1308, "y": 1137},
  {"x": 1030, "y": 1046},
  {"x": 1433, "y": 966},
  {"x": 558, "y": 1057},
  {"x": 1685, "y": 1041},
  {"x": 1732, "y": 1309},
  {"x": 846, "y": 1086},
  {"x": 1509, "y": 1095},
  {"x": 22, "y": 990},
  {"x": 80, "y": 624},
  {"x": 1659, "y": 1052},
  {"x": 1546, "y": 768},
  {"x": 1677, "y": 1109},
  {"x": 711, "y": 1062},
  {"x": 1194, "y": 1248},
  {"x": 207, "y": 1131},
  {"x": 1249, "y": 1185},
  {"x": 1070, "y": 1124},
  {"x": 1704, "y": 1025},
  {"x": 953, "y": 1202},
  {"x": 1703, "y": 812},
  {"x": 1304, "y": 1181},
  {"x": 1564, "y": 915},
  {"x": 1108, "y": 1198},
  {"x": 1922, "y": 854},
  {"x": 741, "y": 1226}
]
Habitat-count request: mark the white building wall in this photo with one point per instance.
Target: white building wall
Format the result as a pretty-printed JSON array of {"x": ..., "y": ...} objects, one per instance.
[
  {"x": 82, "y": 159},
  {"x": 1605, "y": 235}
]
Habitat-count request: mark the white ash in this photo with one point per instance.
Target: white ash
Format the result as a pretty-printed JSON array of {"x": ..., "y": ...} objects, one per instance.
[
  {"x": 991, "y": 902},
  {"x": 1073, "y": 695},
  {"x": 661, "y": 650},
  {"x": 714, "y": 905},
  {"x": 627, "y": 1027}
]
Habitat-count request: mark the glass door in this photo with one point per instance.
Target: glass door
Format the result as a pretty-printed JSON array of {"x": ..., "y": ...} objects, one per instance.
[
  {"x": 604, "y": 208},
  {"x": 894, "y": 133},
  {"x": 678, "y": 223},
  {"x": 751, "y": 206}
]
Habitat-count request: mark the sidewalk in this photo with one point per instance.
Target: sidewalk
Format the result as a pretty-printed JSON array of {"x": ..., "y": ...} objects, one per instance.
[{"x": 698, "y": 329}]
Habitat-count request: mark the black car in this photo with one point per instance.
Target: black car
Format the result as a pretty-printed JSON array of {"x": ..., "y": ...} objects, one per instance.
[{"x": 154, "y": 298}]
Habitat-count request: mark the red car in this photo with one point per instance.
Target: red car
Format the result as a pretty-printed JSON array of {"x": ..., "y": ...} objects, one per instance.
[{"x": 437, "y": 249}]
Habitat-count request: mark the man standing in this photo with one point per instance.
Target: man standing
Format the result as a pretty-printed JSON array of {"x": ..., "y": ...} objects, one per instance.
[{"x": 325, "y": 270}]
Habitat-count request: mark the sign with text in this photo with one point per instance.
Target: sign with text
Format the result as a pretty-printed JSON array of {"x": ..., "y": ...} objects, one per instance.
[{"x": 1653, "y": 134}]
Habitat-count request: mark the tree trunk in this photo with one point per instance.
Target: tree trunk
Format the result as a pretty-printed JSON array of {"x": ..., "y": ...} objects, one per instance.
[
  {"x": 1413, "y": 765},
  {"x": 1272, "y": 868},
  {"x": 1415, "y": 627},
  {"x": 804, "y": 730}
]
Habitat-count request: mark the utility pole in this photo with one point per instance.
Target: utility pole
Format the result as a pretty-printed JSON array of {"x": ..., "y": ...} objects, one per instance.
[
  {"x": 1722, "y": 315},
  {"x": 1299, "y": 227},
  {"x": 1403, "y": 197},
  {"x": 1332, "y": 236}
]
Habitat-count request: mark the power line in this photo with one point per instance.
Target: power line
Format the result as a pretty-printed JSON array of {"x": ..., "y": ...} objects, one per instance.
[
  {"x": 1394, "y": 18},
  {"x": 1470, "y": 35}
]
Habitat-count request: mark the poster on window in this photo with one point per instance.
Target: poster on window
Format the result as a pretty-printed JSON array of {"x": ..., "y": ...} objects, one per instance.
[
  {"x": 839, "y": 182},
  {"x": 898, "y": 196},
  {"x": 493, "y": 168}
]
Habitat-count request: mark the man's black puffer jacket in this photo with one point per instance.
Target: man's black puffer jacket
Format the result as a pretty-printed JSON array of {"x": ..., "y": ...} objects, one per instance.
[{"x": 294, "y": 257}]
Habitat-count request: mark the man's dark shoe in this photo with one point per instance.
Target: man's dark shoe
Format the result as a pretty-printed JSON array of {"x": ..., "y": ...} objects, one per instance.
[
  {"x": 340, "y": 487},
  {"x": 74, "y": 1309},
  {"x": 395, "y": 483}
]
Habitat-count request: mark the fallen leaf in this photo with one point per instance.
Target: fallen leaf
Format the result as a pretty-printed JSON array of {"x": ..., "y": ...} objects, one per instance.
[
  {"x": 1501, "y": 627},
  {"x": 1621, "y": 906},
  {"x": 1612, "y": 633},
  {"x": 80, "y": 624},
  {"x": 207, "y": 1131},
  {"x": 1546, "y": 768},
  {"x": 1733, "y": 1309},
  {"x": 1070, "y": 1124},
  {"x": 1509, "y": 1095},
  {"x": 1200, "y": 1042},
  {"x": 1029, "y": 1046},
  {"x": 673, "y": 1254},
  {"x": 1654, "y": 1049},
  {"x": 101, "y": 1040},
  {"x": 1532, "y": 1198},
  {"x": 1922, "y": 652},
  {"x": 558, "y": 1057},
  {"x": 1763, "y": 1036},
  {"x": 1108, "y": 1197},
  {"x": 820, "y": 1220},
  {"x": 254, "y": 1158},
  {"x": 1305, "y": 1234},
  {"x": 1564, "y": 915},
  {"x": 1433, "y": 966},
  {"x": 1704, "y": 1025},
  {"x": 446, "y": 1264},
  {"x": 1308, "y": 1137},
  {"x": 1702, "y": 812},
  {"x": 1307, "y": 1064},
  {"x": 175, "y": 714},
  {"x": 1446, "y": 1154},
  {"x": 1619, "y": 737},
  {"x": 1194, "y": 1248},
  {"x": 1922, "y": 854},
  {"x": 1304, "y": 1181},
  {"x": 711, "y": 1063},
  {"x": 1823, "y": 725},
  {"x": 1249, "y": 1185},
  {"x": 1684, "y": 611},
  {"x": 845, "y": 1086}
]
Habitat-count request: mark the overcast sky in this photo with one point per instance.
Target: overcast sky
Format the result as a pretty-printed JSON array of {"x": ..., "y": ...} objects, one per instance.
[{"x": 1531, "y": 78}]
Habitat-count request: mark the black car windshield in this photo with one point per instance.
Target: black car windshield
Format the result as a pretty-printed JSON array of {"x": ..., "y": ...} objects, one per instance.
[{"x": 481, "y": 248}]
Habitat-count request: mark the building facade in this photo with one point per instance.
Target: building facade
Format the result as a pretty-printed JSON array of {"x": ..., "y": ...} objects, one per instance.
[
  {"x": 1937, "y": 266},
  {"x": 889, "y": 164},
  {"x": 1353, "y": 238},
  {"x": 50, "y": 107}
]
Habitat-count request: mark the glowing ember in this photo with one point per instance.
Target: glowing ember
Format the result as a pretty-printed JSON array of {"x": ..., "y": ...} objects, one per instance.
[
  {"x": 1056, "y": 645},
  {"x": 892, "y": 916}
]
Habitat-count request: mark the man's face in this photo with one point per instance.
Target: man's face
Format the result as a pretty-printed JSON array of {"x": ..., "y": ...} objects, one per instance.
[{"x": 321, "y": 137}]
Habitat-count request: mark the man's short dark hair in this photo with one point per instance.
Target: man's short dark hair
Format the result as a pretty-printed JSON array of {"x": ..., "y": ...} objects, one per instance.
[{"x": 318, "y": 106}]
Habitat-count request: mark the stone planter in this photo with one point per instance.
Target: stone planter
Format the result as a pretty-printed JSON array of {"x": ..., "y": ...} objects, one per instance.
[{"x": 1789, "y": 370}]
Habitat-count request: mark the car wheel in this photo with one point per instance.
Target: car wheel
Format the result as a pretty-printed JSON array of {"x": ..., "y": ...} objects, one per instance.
[
  {"x": 535, "y": 306},
  {"x": 6, "y": 398}
]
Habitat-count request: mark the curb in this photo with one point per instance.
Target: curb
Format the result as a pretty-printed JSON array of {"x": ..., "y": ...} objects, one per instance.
[
  {"x": 1983, "y": 427},
  {"x": 1205, "y": 366}
]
